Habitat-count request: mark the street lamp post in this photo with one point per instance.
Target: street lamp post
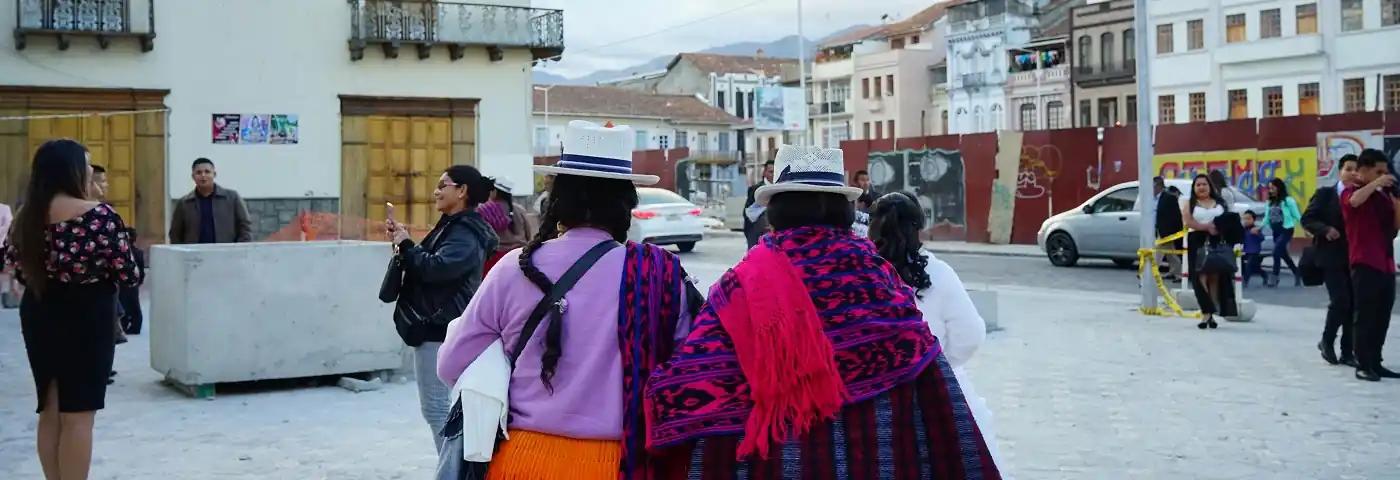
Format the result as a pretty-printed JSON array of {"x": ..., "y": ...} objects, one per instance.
[
  {"x": 548, "y": 136},
  {"x": 1147, "y": 231},
  {"x": 802, "y": 69}
]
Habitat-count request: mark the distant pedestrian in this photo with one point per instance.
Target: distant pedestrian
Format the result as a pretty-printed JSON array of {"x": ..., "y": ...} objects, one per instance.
[
  {"x": 507, "y": 218},
  {"x": 867, "y": 192},
  {"x": 1325, "y": 221},
  {"x": 1281, "y": 215},
  {"x": 755, "y": 217},
  {"x": 1251, "y": 254},
  {"x": 1370, "y": 214},
  {"x": 1167, "y": 220},
  {"x": 210, "y": 213},
  {"x": 1207, "y": 248}
]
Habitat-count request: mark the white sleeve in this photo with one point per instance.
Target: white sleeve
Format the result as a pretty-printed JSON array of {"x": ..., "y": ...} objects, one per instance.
[{"x": 966, "y": 329}]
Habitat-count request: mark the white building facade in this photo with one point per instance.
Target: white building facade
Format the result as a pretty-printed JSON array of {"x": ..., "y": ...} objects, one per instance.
[
  {"x": 350, "y": 119},
  {"x": 831, "y": 93},
  {"x": 1222, "y": 59},
  {"x": 980, "y": 35},
  {"x": 1038, "y": 89}
]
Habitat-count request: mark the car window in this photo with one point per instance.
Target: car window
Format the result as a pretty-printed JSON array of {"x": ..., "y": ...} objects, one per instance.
[
  {"x": 653, "y": 196},
  {"x": 1118, "y": 201}
]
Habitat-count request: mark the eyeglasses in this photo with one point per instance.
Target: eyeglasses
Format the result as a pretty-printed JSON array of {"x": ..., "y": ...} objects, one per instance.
[{"x": 446, "y": 185}]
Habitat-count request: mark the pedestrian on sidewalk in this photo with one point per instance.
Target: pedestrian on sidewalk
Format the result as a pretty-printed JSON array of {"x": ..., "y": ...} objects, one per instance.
[
  {"x": 896, "y": 221},
  {"x": 1168, "y": 222},
  {"x": 755, "y": 220},
  {"x": 1251, "y": 255},
  {"x": 1325, "y": 222},
  {"x": 1207, "y": 248},
  {"x": 1370, "y": 213},
  {"x": 437, "y": 279},
  {"x": 757, "y": 386},
  {"x": 211, "y": 213},
  {"x": 1281, "y": 215},
  {"x": 575, "y": 394},
  {"x": 71, "y": 252}
]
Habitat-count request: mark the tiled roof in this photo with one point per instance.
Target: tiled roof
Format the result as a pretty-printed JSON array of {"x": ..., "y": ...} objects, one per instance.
[
  {"x": 920, "y": 20},
  {"x": 853, "y": 37},
  {"x": 604, "y": 101},
  {"x": 722, "y": 64}
]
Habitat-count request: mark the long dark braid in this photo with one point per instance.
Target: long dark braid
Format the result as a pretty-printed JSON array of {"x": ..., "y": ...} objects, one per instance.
[
  {"x": 895, "y": 222},
  {"x": 596, "y": 202}
]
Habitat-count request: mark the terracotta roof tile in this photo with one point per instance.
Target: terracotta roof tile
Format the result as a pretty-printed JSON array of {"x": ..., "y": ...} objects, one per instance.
[
  {"x": 853, "y": 37},
  {"x": 920, "y": 20},
  {"x": 604, "y": 101},
  {"x": 722, "y": 64}
]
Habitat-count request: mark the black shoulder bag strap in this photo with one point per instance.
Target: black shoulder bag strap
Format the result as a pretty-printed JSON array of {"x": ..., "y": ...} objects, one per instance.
[{"x": 556, "y": 295}]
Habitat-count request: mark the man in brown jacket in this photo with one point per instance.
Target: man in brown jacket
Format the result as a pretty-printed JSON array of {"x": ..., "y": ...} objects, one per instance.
[{"x": 210, "y": 213}]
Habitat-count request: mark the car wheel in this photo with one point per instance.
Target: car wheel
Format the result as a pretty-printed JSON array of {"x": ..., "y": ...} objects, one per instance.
[
  {"x": 1123, "y": 262},
  {"x": 686, "y": 247},
  {"x": 1061, "y": 250}
]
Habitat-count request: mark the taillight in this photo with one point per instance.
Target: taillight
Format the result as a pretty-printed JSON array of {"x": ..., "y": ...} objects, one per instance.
[
  {"x": 696, "y": 212},
  {"x": 643, "y": 214}
]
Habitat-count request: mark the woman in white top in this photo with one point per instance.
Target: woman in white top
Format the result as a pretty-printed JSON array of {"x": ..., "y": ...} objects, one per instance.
[
  {"x": 895, "y": 222},
  {"x": 1214, "y": 291}
]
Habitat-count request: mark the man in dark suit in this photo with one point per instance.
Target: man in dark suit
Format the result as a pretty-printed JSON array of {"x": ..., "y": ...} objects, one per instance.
[
  {"x": 1323, "y": 220},
  {"x": 1168, "y": 221},
  {"x": 755, "y": 227}
]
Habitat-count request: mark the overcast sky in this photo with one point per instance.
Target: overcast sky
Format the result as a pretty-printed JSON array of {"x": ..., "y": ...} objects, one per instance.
[{"x": 589, "y": 24}]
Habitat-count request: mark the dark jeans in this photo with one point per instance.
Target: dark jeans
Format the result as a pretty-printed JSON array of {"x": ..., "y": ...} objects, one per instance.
[
  {"x": 1282, "y": 237},
  {"x": 131, "y": 320},
  {"x": 1253, "y": 264},
  {"x": 1340, "y": 312},
  {"x": 1374, "y": 294}
]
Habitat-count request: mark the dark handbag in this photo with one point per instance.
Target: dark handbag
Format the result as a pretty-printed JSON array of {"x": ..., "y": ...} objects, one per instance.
[
  {"x": 393, "y": 280},
  {"x": 555, "y": 298},
  {"x": 1219, "y": 258},
  {"x": 1311, "y": 273}
]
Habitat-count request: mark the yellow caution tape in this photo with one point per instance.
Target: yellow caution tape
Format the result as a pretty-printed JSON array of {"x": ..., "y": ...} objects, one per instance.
[{"x": 1147, "y": 261}]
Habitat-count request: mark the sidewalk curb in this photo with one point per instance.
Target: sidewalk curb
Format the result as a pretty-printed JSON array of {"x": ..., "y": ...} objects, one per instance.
[{"x": 985, "y": 253}]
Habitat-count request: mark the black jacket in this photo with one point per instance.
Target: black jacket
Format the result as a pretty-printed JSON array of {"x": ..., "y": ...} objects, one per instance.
[
  {"x": 441, "y": 276},
  {"x": 1325, "y": 211},
  {"x": 1168, "y": 215},
  {"x": 753, "y": 230}
]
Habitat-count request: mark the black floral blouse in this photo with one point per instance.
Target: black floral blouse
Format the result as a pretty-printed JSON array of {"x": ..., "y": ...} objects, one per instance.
[{"x": 93, "y": 248}]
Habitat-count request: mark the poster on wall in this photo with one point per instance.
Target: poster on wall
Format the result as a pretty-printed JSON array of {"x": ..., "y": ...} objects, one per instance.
[
  {"x": 255, "y": 129},
  {"x": 780, "y": 108}
]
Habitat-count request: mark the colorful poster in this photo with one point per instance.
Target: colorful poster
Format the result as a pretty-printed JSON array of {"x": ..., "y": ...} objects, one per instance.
[
  {"x": 1332, "y": 146},
  {"x": 226, "y": 127},
  {"x": 780, "y": 108},
  {"x": 284, "y": 130},
  {"x": 256, "y": 129}
]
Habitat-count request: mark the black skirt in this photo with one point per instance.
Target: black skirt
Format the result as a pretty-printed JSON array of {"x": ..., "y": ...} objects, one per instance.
[
  {"x": 1224, "y": 303},
  {"x": 69, "y": 338}
]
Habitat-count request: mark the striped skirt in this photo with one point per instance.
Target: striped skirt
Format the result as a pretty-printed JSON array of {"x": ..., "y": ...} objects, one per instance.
[{"x": 537, "y": 456}]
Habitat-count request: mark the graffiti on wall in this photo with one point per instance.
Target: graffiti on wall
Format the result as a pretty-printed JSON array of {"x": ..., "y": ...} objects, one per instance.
[
  {"x": 935, "y": 176},
  {"x": 1332, "y": 146},
  {"x": 1249, "y": 170},
  {"x": 1039, "y": 166}
]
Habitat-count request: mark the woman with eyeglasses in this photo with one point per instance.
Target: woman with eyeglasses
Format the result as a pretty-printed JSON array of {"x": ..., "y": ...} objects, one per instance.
[{"x": 440, "y": 277}]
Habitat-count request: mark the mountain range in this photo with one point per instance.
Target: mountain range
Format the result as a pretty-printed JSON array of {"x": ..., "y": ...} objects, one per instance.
[{"x": 786, "y": 47}]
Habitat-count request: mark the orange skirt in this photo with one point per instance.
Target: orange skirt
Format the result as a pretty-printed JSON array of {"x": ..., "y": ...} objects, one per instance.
[{"x": 537, "y": 456}]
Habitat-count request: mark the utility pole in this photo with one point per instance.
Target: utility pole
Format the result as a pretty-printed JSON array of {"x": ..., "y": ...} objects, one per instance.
[
  {"x": 1147, "y": 233},
  {"x": 802, "y": 71}
]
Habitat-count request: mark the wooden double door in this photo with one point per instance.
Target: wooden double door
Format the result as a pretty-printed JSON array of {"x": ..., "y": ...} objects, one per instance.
[{"x": 111, "y": 143}]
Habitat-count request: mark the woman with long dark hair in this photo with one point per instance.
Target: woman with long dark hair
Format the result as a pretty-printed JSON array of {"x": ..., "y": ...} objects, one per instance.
[
  {"x": 71, "y": 253},
  {"x": 1214, "y": 290},
  {"x": 580, "y": 356},
  {"x": 1281, "y": 216},
  {"x": 507, "y": 217},
  {"x": 440, "y": 278},
  {"x": 811, "y": 353},
  {"x": 895, "y": 222}
]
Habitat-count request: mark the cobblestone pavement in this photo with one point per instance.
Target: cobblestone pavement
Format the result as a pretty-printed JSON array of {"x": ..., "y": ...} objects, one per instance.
[{"x": 1083, "y": 388}]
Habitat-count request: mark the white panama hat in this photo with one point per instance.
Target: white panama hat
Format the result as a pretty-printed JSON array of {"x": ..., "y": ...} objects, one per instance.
[
  {"x": 808, "y": 169},
  {"x": 504, "y": 184},
  {"x": 592, "y": 150}
]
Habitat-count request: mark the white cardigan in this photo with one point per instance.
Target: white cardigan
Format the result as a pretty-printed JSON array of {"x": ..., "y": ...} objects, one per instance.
[{"x": 951, "y": 314}]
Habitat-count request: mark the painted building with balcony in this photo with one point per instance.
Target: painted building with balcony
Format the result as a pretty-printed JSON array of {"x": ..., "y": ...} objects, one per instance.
[
  {"x": 980, "y": 35},
  {"x": 660, "y": 121},
  {"x": 832, "y": 99},
  {"x": 1038, "y": 85},
  {"x": 1104, "y": 58},
  {"x": 339, "y": 107},
  {"x": 1216, "y": 60},
  {"x": 891, "y": 77}
]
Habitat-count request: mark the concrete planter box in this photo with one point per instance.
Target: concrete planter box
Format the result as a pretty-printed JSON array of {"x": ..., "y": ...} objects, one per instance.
[
  {"x": 986, "y": 303},
  {"x": 262, "y": 311}
]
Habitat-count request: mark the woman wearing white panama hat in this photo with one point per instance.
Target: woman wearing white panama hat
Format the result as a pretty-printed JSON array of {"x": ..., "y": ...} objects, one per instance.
[{"x": 578, "y": 418}]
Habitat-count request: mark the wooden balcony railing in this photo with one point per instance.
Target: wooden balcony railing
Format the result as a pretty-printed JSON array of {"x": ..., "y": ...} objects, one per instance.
[
  {"x": 103, "y": 20},
  {"x": 426, "y": 23}
]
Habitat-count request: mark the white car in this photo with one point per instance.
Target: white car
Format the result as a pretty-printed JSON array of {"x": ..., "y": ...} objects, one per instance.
[{"x": 664, "y": 218}]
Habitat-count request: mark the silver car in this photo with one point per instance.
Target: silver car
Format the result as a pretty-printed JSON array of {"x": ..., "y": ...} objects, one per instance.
[{"x": 1107, "y": 226}]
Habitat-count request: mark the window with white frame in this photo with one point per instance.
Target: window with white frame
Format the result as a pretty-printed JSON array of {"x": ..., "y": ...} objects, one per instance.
[
  {"x": 702, "y": 140},
  {"x": 682, "y": 139},
  {"x": 1353, "y": 15},
  {"x": 1028, "y": 122},
  {"x": 541, "y": 138},
  {"x": 1054, "y": 115},
  {"x": 664, "y": 142},
  {"x": 643, "y": 140},
  {"x": 724, "y": 142}
]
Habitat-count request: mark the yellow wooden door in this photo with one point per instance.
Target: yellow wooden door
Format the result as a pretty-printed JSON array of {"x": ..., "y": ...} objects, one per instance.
[
  {"x": 110, "y": 141},
  {"x": 406, "y": 157}
]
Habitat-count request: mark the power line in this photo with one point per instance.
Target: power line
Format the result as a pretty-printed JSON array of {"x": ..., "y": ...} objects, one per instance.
[{"x": 661, "y": 31}]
